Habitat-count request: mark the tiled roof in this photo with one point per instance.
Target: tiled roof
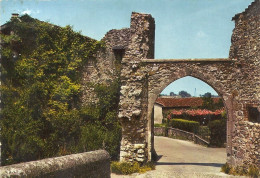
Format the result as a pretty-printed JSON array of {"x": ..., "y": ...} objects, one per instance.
[{"x": 182, "y": 102}]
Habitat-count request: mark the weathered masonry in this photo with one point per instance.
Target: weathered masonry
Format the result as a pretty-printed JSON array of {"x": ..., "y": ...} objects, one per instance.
[
  {"x": 236, "y": 79},
  {"x": 88, "y": 164}
]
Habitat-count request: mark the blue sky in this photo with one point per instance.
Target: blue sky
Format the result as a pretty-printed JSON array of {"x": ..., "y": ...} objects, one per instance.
[{"x": 184, "y": 28}]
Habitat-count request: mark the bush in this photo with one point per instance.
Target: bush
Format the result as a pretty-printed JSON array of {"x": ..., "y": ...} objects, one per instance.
[
  {"x": 217, "y": 132},
  {"x": 204, "y": 133},
  {"x": 252, "y": 171},
  {"x": 225, "y": 168},
  {"x": 126, "y": 168},
  {"x": 190, "y": 126},
  {"x": 94, "y": 137},
  {"x": 160, "y": 125}
]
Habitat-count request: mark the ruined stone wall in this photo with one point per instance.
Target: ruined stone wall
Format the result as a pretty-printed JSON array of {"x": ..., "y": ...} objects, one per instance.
[
  {"x": 95, "y": 164},
  {"x": 245, "y": 50},
  {"x": 134, "y": 96},
  {"x": 236, "y": 79},
  {"x": 106, "y": 66}
]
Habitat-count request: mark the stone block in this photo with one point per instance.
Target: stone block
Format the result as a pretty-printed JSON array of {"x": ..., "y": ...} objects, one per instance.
[
  {"x": 137, "y": 112},
  {"x": 138, "y": 146}
]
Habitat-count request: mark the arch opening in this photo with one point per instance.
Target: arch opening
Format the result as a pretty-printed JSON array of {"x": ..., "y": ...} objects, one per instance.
[{"x": 177, "y": 101}]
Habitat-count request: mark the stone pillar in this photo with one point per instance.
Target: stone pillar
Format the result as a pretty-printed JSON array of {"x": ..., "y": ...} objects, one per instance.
[
  {"x": 133, "y": 93},
  {"x": 245, "y": 52}
]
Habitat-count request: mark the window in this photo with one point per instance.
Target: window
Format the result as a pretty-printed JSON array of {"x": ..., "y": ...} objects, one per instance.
[{"x": 253, "y": 114}]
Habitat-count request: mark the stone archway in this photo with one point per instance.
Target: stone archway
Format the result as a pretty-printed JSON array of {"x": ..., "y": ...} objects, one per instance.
[
  {"x": 236, "y": 79},
  {"x": 155, "y": 91}
]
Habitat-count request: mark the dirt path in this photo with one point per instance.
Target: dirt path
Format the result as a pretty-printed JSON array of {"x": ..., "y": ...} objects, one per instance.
[{"x": 180, "y": 158}]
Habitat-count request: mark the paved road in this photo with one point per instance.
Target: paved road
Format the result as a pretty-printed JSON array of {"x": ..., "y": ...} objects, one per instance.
[{"x": 180, "y": 158}]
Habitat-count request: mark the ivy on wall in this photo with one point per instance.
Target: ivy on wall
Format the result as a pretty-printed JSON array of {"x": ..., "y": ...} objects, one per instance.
[{"x": 41, "y": 112}]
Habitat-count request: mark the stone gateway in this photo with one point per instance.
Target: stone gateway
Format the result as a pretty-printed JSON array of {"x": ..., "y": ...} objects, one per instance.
[{"x": 236, "y": 79}]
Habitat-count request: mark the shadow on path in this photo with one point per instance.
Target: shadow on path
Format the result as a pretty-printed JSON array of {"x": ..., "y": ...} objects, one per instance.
[
  {"x": 195, "y": 164},
  {"x": 181, "y": 163}
]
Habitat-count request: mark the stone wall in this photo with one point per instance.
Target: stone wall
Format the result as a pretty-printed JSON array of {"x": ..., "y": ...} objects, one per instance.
[
  {"x": 236, "y": 79},
  {"x": 95, "y": 164},
  {"x": 245, "y": 50},
  {"x": 160, "y": 131},
  {"x": 179, "y": 134},
  {"x": 106, "y": 67},
  {"x": 133, "y": 98}
]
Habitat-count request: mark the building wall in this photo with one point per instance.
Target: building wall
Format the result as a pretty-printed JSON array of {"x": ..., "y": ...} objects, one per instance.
[{"x": 158, "y": 115}]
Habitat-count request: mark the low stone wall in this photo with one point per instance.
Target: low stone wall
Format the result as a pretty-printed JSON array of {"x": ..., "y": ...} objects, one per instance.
[
  {"x": 173, "y": 132},
  {"x": 160, "y": 131},
  {"x": 94, "y": 164},
  {"x": 177, "y": 133},
  {"x": 200, "y": 141}
]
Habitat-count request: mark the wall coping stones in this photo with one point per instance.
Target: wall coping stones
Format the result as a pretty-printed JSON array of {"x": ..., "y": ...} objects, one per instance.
[{"x": 88, "y": 164}]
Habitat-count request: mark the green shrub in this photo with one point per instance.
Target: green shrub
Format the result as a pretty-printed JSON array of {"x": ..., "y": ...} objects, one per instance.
[
  {"x": 190, "y": 126},
  {"x": 126, "y": 168},
  {"x": 204, "y": 132},
  {"x": 218, "y": 132},
  {"x": 252, "y": 171},
  {"x": 160, "y": 125},
  {"x": 225, "y": 168}
]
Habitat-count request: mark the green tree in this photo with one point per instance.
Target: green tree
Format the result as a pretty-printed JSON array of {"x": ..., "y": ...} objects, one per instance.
[
  {"x": 184, "y": 94},
  {"x": 208, "y": 102}
]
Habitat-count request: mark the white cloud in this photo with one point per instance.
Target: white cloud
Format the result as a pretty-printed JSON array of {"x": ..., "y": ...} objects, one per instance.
[{"x": 29, "y": 11}]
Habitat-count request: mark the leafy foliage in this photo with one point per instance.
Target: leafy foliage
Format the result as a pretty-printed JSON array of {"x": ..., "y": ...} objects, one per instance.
[
  {"x": 218, "y": 132},
  {"x": 190, "y": 126},
  {"x": 209, "y": 104},
  {"x": 252, "y": 171},
  {"x": 184, "y": 94},
  {"x": 42, "y": 114},
  {"x": 126, "y": 168}
]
